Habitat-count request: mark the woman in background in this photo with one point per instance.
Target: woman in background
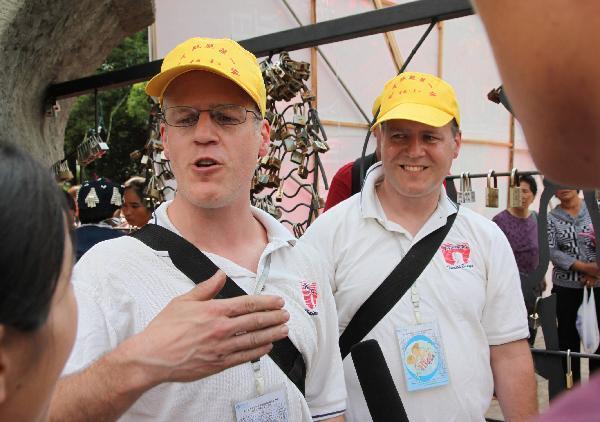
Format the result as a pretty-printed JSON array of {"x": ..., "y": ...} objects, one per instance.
[
  {"x": 133, "y": 209},
  {"x": 520, "y": 226},
  {"x": 38, "y": 313},
  {"x": 573, "y": 254}
]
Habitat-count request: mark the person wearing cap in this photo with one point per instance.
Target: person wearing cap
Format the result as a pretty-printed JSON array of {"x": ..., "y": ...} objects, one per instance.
[
  {"x": 346, "y": 182},
  {"x": 150, "y": 346},
  {"x": 97, "y": 200},
  {"x": 460, "y": 331}
]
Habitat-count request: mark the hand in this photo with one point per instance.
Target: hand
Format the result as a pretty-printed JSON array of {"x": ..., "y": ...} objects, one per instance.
[
  {"x": 195, "y": 336},
  {"x": 589, "y": 268},
  {"x": 589, "y": 281}
]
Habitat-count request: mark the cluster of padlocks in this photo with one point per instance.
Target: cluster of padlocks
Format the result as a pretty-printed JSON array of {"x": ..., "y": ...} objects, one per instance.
[
  {"x": 155, "y": 166},
  {"x": 297, "y": 137}
]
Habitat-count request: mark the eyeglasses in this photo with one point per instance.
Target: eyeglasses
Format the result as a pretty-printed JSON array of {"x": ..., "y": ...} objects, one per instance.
[{"x": 223, "y": 115}]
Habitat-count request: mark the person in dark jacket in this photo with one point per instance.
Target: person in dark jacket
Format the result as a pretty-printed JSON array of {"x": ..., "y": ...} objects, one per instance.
[{"x": 97, "y": 200}]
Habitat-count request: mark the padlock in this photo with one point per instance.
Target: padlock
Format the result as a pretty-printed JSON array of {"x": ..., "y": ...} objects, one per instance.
[
  {"x": 289, "y": 144},
  {"x": 274, "y": 163},
  {"x": 279, "y": 193},
  {"x": 534, "y": 317},
  {"x": 273, "y": 180},
  {"x": 514, "y": 190},
  {"x": 491, "y": 192},
  {"x": 569, "y": 374},
  {"x": 264, "y": 162},
  {"x": 263, "y": 180},
  {"x": 468, "y": 193},
  {"x": 302, "y": 171},
  {"x": 299, "y": 117},
  {"x": 320, "y": 146},
  {"x": 297, "y": 157}
]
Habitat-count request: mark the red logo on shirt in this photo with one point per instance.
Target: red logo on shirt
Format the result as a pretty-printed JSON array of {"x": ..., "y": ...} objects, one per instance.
[
  {"x": 456, "y": 255},
  {"x": 310, "y": 295}
]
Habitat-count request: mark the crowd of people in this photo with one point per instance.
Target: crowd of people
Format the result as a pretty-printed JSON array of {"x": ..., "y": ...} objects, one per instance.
[{"x": 257, "y": 339}]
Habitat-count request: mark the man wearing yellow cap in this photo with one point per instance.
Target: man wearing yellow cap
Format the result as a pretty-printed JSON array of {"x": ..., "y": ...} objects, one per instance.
[
  {"x": 458, "y": 329},
  {"x": 150, "y": 346}
]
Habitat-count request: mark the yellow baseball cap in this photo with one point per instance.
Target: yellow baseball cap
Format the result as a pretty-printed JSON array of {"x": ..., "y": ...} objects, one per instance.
[
  {"x": 376, "y": 105},
  {"x": 419, "y": 97},
  {"x": 223, "y": 57}
]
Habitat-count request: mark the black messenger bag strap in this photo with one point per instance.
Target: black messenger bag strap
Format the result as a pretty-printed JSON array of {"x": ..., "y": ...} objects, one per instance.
[
  {"x": 197, "y": 267},
  {"x": 356, "y": 182},
  {"x": 383, "y": 299}
]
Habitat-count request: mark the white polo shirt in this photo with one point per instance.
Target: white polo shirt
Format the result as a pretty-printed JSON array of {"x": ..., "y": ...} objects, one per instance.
[
  {"x": 121, "y": 285},
  {"x": 471, "y": 287}
]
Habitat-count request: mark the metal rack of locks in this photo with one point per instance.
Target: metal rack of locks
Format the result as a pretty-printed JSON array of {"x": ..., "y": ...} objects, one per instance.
[
  {"x": 297, "y": 138},
  {"x": 92, "y": 148},
  {"x": 155, "y": 167}
]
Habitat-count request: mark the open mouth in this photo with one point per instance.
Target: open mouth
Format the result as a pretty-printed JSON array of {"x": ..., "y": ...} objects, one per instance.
[
  {"x": 205, "y": 162},
  {"x": 412, "y": 168}
]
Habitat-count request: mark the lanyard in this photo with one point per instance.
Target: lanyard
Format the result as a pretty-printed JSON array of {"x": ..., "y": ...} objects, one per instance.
[
  {"x": 414, "y": 292},
  {"x": 416, "y": 302},
  {"x": 259, "y": 380}
]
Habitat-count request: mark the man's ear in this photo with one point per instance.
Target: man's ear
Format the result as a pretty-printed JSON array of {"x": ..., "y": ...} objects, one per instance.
[
  {"x": 3, "y": 364},
  {"x": 457, "y": 142},
  {"x": 165, "y": 141},
  {"x": 265, "y": 138}
]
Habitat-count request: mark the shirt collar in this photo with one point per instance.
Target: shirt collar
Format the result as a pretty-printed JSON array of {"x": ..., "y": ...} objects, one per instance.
[
  {"x": 370, "y": 206},
  {"x": 276, "y": 232}
]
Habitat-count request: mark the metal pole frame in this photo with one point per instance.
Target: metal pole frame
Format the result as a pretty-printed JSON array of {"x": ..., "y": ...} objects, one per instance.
[{"x": 373, "y": 22}]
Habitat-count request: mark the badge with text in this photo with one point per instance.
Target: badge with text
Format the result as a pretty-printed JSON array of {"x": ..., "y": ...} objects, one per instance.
[
  {"x": 268, "y": 407},
  {"x": 422, "y": 356}
]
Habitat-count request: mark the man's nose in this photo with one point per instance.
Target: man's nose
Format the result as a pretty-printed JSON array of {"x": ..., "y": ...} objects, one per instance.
[
  {"x": 205, "y": 128},
  {"x": 414, "y": 147}
]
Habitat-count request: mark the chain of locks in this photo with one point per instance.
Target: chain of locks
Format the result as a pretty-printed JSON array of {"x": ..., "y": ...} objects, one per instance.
[
  {"x": 155, "y": 166},
  {"x": 466, "y": 194},
  {"x": 300, "y": 140}
]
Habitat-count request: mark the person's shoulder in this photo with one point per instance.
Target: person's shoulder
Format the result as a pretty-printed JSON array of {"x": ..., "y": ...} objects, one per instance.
[
  {"x": 500, "y": 216},
  {"x": 339, "y": 214},
  {"x": 479, "y": 224},
  {"x": 345, "y": 170},
  {"x": 111, "y": 252}
]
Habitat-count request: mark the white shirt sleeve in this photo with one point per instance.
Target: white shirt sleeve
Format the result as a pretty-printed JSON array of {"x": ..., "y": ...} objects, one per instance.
[
  {"x": 325, "y": 385},
  {"x": 504, "y": 315},
  {"x": 320, "y": 236},
  {"x": 93, "y": 332}
]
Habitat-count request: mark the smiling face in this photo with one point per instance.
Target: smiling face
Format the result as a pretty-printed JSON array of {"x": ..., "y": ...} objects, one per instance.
[{"x": 417, "y": 157}]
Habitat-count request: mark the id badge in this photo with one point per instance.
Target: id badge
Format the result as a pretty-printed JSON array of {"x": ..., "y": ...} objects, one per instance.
[
  {"x": 270, "y": 407},
  {"x": 423, "y": 357}
]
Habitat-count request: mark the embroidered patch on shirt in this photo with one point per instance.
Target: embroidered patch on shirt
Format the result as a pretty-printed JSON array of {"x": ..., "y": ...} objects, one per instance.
[
  {"x": 310, "y": 295},
  {"x": 456, "y": 255}
]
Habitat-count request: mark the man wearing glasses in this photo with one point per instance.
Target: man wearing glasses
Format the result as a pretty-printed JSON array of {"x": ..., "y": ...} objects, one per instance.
[{"x": 150, "y": 345}]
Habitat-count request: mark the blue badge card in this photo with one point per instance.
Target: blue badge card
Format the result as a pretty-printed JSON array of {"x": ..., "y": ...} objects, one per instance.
[{"x": 423, "y": 357}]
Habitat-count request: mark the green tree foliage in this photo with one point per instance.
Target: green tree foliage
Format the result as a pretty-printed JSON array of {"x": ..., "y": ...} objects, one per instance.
[{"x": 123, "y": 115}]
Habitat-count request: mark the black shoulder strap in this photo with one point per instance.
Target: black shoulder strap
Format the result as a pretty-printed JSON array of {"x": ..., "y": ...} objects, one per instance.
[
  {"x": 393, "y": 287},
  {"x": 356, "y": 182},
  {"x": 197, "y": 267}
]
